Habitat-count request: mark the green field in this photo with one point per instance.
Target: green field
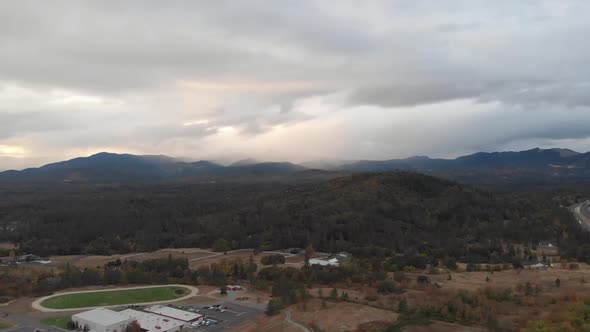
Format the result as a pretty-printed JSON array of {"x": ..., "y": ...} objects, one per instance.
[
  {"x": 4, "y": 325},
  {"x": 114, "y": 297},
  {"x": 61, "y": 322}
]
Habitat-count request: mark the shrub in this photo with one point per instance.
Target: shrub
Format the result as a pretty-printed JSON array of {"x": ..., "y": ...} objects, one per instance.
[
  {"x": 386, "y": 287},
  {"x": 273, "y": 259},
  {"x": 422, "y": 279},
  {"x": 274, "y": 307}
]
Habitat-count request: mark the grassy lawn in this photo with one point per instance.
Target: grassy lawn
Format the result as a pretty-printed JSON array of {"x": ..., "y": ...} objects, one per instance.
[
  {"x": 114, "y": 297},
  {"x": 57, "y": 321},
  {"x": 4, "y": 325}
]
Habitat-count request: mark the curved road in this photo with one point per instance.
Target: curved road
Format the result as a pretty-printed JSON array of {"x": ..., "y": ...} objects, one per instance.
[
  {"x": 289, "y": 320},
  {"x": 37, "y": 303},
  {"x": 582, "y": 213}
]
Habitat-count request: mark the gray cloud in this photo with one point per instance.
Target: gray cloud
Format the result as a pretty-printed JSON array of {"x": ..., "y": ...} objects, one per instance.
[{"x": 255, "y": 77}]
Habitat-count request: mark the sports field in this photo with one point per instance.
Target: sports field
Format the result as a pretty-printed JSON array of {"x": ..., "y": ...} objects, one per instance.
[{"x": 115, "y": 297}]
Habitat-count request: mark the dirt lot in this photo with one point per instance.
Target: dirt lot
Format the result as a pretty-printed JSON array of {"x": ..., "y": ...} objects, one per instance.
[
  {"x": 340, "y": 316},
  {"x": 267, "y": 324},
  {"x": 330, "y": 316}
]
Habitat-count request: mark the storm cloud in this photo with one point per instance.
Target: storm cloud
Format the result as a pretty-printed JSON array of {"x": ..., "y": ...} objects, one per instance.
[{"x": 291, "y": 80}]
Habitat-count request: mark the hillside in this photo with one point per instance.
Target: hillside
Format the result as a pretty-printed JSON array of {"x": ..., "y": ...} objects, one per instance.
[{"x": 399, "y": 211}]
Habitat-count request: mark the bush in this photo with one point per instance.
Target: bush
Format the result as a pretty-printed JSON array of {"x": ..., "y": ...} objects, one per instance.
[
  {"x": 334, "y": 293},
  {"x": 221, "y": 245},
  {"x": 451, "y": 263},
  {"x": 422, "y": 279},
  {"x": 402, "y": 307},
  {"x": 274, "y": 307},
  {"x": 273, "y": 259},
  {"x": 386, "y": 287}
]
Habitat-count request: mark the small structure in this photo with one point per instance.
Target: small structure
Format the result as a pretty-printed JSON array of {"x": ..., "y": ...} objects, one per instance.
[
  {"x": 177, "y": 314},
  {"x": 532, "y": 265},
  {"x": 154, "y": 323},
  {"x": 28, "y": 258},
  {"x": 102, "y": 320},
  {"x": 324, "y": 262}
]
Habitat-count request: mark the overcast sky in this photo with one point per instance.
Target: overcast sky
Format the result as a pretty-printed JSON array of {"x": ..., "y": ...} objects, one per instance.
[{"x": 291, "y": 80}]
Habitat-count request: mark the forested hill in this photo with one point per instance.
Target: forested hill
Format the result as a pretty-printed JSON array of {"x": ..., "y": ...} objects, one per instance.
[{"x": 399, "y": 212}]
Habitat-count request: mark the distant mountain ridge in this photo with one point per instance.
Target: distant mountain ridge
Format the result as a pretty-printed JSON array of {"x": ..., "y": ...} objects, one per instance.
[
  {"x": 530, "y": 166},
  {"x": 112, "y": 167},
  {"x": 535, "y": 166},
  {"x": 529, "y": 158}
]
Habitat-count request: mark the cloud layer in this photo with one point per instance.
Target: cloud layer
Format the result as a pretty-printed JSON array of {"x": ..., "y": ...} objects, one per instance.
[{"x": 295, "y": 80}]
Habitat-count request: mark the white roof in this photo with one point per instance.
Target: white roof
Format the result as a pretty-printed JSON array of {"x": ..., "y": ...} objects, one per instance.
[
  {"x": 324, "y": 262},
  {"x": 103, "y": 316},
  {"x": 153, "y": 322},
  {"x": 182, "y": 315}
]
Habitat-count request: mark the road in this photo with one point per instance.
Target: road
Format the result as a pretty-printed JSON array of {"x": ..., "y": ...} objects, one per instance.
[
  {"x": 582, "y": 213},
  {"x": 26, "y": 324}
]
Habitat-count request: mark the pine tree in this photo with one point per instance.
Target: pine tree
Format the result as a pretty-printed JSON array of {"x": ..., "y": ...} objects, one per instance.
[
  {"x": 334, "y": 293},
  {"x": 402, "y": 306}
]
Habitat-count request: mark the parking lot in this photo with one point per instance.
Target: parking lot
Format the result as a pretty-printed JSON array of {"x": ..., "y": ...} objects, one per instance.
[{"x": 221, "y": 320}]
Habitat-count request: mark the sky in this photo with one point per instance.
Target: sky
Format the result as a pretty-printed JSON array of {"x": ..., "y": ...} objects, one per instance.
[{"x": 291, "y": 80}]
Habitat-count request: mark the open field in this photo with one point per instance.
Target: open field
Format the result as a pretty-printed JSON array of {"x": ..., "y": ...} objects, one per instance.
[
  {"x": 61, "y": 322},
  {"x": 114, "y": 297},
  {"x": 341, "y": 316},
  {"x": 5, "y": 324},
  {"x": 244, "y": 254},
  {"x": 196, "y": 256},
  {"x": 578, "y": 280},
  {"x": 92, "y": 261}
]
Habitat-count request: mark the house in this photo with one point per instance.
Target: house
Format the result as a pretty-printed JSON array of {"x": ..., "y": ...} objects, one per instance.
[
  {"x": 28, "y": 258},
  {"x": 102, "y": 320},
  {"x": 324, "y": 262}
]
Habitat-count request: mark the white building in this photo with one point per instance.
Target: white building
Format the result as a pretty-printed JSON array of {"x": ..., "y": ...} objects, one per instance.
[
  {"x": 103, "y": 320},
  {"x": 324, "y": 262},
  {"x": 154, "y": 323},
  {"x": 181, "y": 315}
]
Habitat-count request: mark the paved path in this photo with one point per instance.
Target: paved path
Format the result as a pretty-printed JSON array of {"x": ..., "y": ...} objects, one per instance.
[
  {"x": 289, "y": 320},
  {"x": 37, "y": 303}
]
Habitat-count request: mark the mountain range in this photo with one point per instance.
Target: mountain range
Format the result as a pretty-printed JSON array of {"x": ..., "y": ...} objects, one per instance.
[{"x": 531, "y": 166}]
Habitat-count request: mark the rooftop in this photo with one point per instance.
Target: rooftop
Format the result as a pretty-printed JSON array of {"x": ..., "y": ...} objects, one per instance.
[
  {"x": 182, "y": 315},
  {"x": 103, "y": 316},
  {"x": 152, "y": 322}
]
